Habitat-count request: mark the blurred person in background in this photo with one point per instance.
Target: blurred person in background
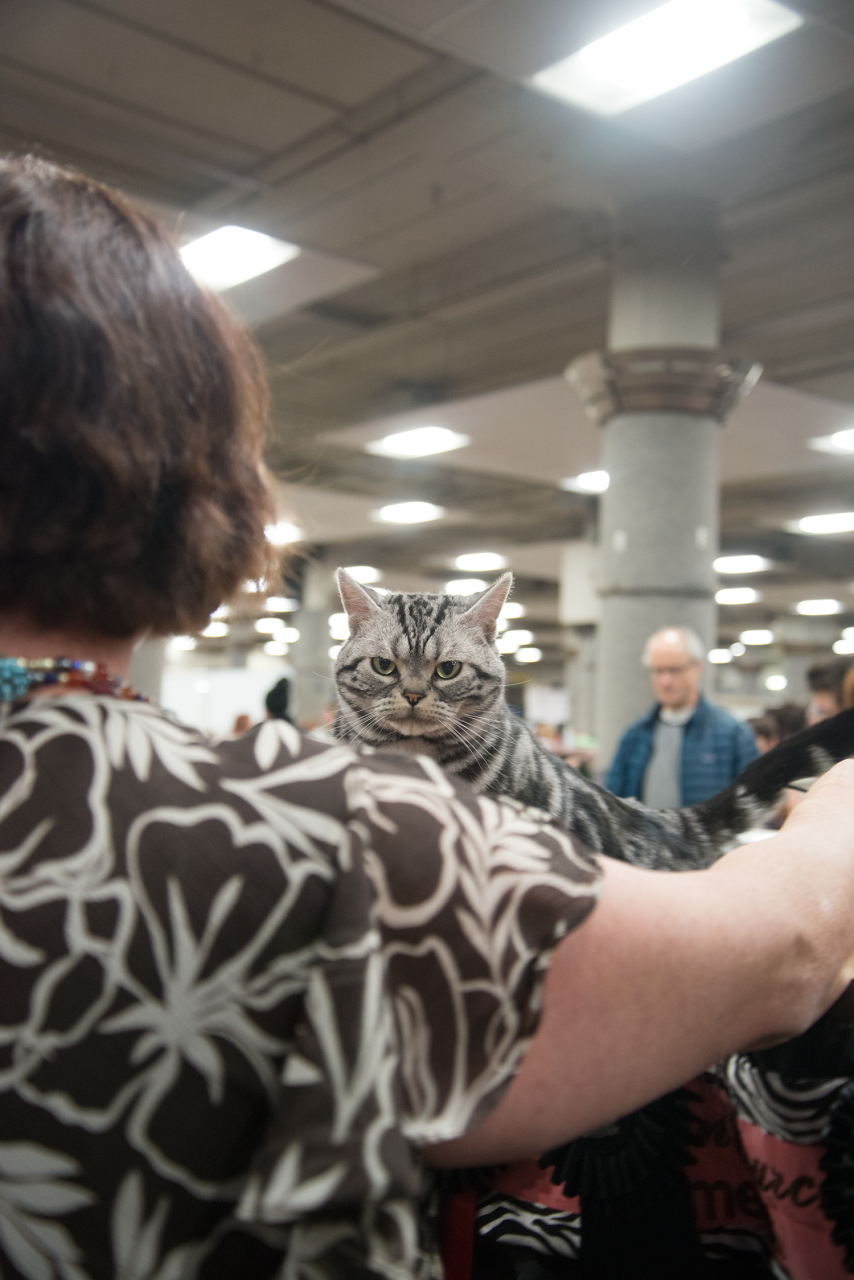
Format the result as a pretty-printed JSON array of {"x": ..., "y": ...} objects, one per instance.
[
  {"x": 683, "y": 750},
  {"x": 848, "y": 689},
  {"x": 231, "y": 1019},
  {"x": 777, "y": 723},
  {"x": 825, "y": 681},
  {"x": 277, "y": 701}
]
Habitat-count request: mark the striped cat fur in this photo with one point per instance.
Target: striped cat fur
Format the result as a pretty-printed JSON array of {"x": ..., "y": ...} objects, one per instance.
[{"x": 421, "y": 673}]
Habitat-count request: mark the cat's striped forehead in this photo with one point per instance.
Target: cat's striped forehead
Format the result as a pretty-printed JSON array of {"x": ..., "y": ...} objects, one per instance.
[{"x": 420, "y": 617}]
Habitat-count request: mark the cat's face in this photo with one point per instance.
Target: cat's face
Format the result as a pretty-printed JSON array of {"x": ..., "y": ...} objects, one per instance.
[{"x": 419, "y": 666}]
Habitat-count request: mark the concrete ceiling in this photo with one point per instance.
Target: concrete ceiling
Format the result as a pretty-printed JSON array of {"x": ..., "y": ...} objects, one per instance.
[{"x": 458, "y": 228}]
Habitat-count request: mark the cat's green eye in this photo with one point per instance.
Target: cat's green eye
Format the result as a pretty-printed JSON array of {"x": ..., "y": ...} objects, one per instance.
[
  {"x": 447, "y": 670},
  {"x": 383, "y": 666}
]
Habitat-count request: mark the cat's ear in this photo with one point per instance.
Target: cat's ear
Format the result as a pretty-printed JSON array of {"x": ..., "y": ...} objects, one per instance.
[
  {"x": 484, "y": 613},
  {"x": 360, "y": 603}
]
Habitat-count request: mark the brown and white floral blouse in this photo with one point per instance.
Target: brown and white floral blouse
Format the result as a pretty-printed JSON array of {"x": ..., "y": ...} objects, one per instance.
[{"x": 240, "y": 984}]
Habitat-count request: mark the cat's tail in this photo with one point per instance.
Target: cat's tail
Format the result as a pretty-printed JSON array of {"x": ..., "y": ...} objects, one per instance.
[{"x": 760, "y": 786}]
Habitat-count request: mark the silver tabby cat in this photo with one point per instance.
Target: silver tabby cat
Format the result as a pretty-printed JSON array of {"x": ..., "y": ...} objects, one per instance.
[{"x": 421, "y": 673}]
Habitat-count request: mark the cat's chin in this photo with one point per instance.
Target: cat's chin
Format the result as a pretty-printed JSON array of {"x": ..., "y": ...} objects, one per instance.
[{"x": 410, "y": 728}]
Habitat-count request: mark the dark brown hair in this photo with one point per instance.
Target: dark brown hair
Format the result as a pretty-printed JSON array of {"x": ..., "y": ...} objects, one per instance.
[
  {"x": 828, "y": 676},
  {"x": 132, "y": 410}
]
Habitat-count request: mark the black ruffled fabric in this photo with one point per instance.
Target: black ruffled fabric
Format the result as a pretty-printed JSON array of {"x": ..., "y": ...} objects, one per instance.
[
  {"x": 636, "y": 1207},
  {"x": 825, "y": 1052},
  {"x": 837, "y": 1163}
]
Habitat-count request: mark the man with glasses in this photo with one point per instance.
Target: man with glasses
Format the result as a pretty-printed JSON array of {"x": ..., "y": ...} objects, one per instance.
[{"x": 683, "y": 750}]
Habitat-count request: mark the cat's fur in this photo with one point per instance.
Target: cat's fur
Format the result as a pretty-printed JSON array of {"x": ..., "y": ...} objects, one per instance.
[{"x": 466, "y": 725}]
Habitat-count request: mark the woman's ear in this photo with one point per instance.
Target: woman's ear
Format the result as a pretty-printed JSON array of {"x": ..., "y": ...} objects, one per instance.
[
  {"x": 484, "y": 612},
  {"x": 359, "y": 602}
]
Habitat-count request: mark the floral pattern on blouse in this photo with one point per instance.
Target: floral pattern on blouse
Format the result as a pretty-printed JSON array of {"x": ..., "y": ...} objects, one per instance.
[{"x": 240, "y": 984}]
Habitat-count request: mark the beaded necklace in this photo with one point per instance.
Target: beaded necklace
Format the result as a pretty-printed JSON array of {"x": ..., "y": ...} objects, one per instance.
[{"x": 21, "y": 676}]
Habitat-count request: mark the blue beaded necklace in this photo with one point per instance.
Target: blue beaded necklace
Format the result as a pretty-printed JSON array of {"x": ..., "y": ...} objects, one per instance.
[{"x": 21, "y": 676}]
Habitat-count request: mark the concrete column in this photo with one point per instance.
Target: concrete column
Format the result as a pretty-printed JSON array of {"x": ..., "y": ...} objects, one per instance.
[
  {"x": 314, "y": 689},
  {"x": 660, "y": 392}
]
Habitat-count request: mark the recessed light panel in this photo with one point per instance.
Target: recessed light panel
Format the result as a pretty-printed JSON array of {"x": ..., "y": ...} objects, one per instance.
[
  {"x": 840, "y": 442},
  {"x": 661, "y": 50},
  {"x": 230, "y": 255},
  {"x": 835, "y": 522},
  {"x": 409, "y": 512},
  {"x": 741, "y": 564},
  {"x": 587, "y": 482},
  {"x": 363, "y": 573},
  {"x": 465, "y": 586},
  {"x": 737, "y": 595},
  {"x": 282, "y": 533},
  {"x": 818, "y": 608},
  {"x": 756, "y": 637},
  {"x": 420, "y": 442},
  {"x": 481, "y": 562},
  {"x": 719, "y": 656}
]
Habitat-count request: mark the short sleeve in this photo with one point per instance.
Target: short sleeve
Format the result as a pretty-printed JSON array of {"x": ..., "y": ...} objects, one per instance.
[{"x": 421, "y": 995}]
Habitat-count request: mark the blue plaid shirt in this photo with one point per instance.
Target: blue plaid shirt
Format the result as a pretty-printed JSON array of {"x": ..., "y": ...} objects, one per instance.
[{"x": 715, "y": 749}]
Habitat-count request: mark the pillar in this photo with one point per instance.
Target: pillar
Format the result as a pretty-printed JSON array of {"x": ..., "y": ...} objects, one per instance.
[
  {"x": 314, "y": 690},
  {"x": 660, "y": 392}
]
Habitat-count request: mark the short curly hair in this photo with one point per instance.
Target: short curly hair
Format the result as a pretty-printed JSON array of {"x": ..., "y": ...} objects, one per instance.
[{"x": 132, "y": 411}]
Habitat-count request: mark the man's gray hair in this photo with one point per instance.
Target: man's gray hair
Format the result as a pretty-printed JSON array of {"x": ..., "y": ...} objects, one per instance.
[{"x": 691, "y": 643}]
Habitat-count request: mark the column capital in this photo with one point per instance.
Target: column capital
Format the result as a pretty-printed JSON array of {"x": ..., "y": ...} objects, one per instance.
[{"x": 690, "y": 380}]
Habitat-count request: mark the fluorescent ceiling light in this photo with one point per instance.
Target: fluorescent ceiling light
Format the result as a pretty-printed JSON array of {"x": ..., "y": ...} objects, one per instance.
[
  {"x": 276, "y": 648},
  {"x": 363, "y": 572},
  {"x": 481, "y": 562},
  {"x": 661, "y": 50},
  {"x": 418, "y": 443},
  {"x": 465, "y": 586},
  {"x": 215, "y": 630},
  {"x": 230, "y": 255},
  {"x": 289, "y": 635},
  {"x": 409, "y": 512},
  {"x": 740, "y": 564},
  {"x": 719, "y": 656},
  {"x": 513, "y": 640},
  {"x": 339, "y": 626},
  {"x": 837, "y": 522},
  {"x": 843, "y": 646},
  {"x": 757, "y": 637},
  {"x": 839, "y": 442},
  {"x": 848, "y": 633},
  {"x": 587, "y": 482},
  {"x": 182, "y": 644},
  {"x": 737, "y": 595},
  {"x": 281, "y": 604},
  {"x": 737, "y": 649},
  {"x": 283, "y": 532},
  {"x": 528, "y": 655},
  {"x": 269, "y": 626},
  {"x": 334, "y": 650},
  {"x": 512, "y": 609},
  {"x": 818, "y": 608},
  {"x": 222, "y": 612},
  {"x": 776, "y": 683}
]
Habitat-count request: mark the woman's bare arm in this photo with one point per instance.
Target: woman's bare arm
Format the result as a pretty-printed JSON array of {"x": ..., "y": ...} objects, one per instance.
[{"x": 672, "y": 972}]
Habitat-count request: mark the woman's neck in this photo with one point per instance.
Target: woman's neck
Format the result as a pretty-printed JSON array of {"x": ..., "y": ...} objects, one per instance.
[{"x": 20, "y": 638}]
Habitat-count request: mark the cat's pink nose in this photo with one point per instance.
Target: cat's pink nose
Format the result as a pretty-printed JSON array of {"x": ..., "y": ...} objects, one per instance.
[{"x": 413, "y": 698}]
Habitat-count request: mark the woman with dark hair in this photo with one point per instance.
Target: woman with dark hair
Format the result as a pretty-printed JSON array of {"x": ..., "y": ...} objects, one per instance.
[
  {"x": 277, "y": 700},
  {"x": 249, "y": 987}
]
